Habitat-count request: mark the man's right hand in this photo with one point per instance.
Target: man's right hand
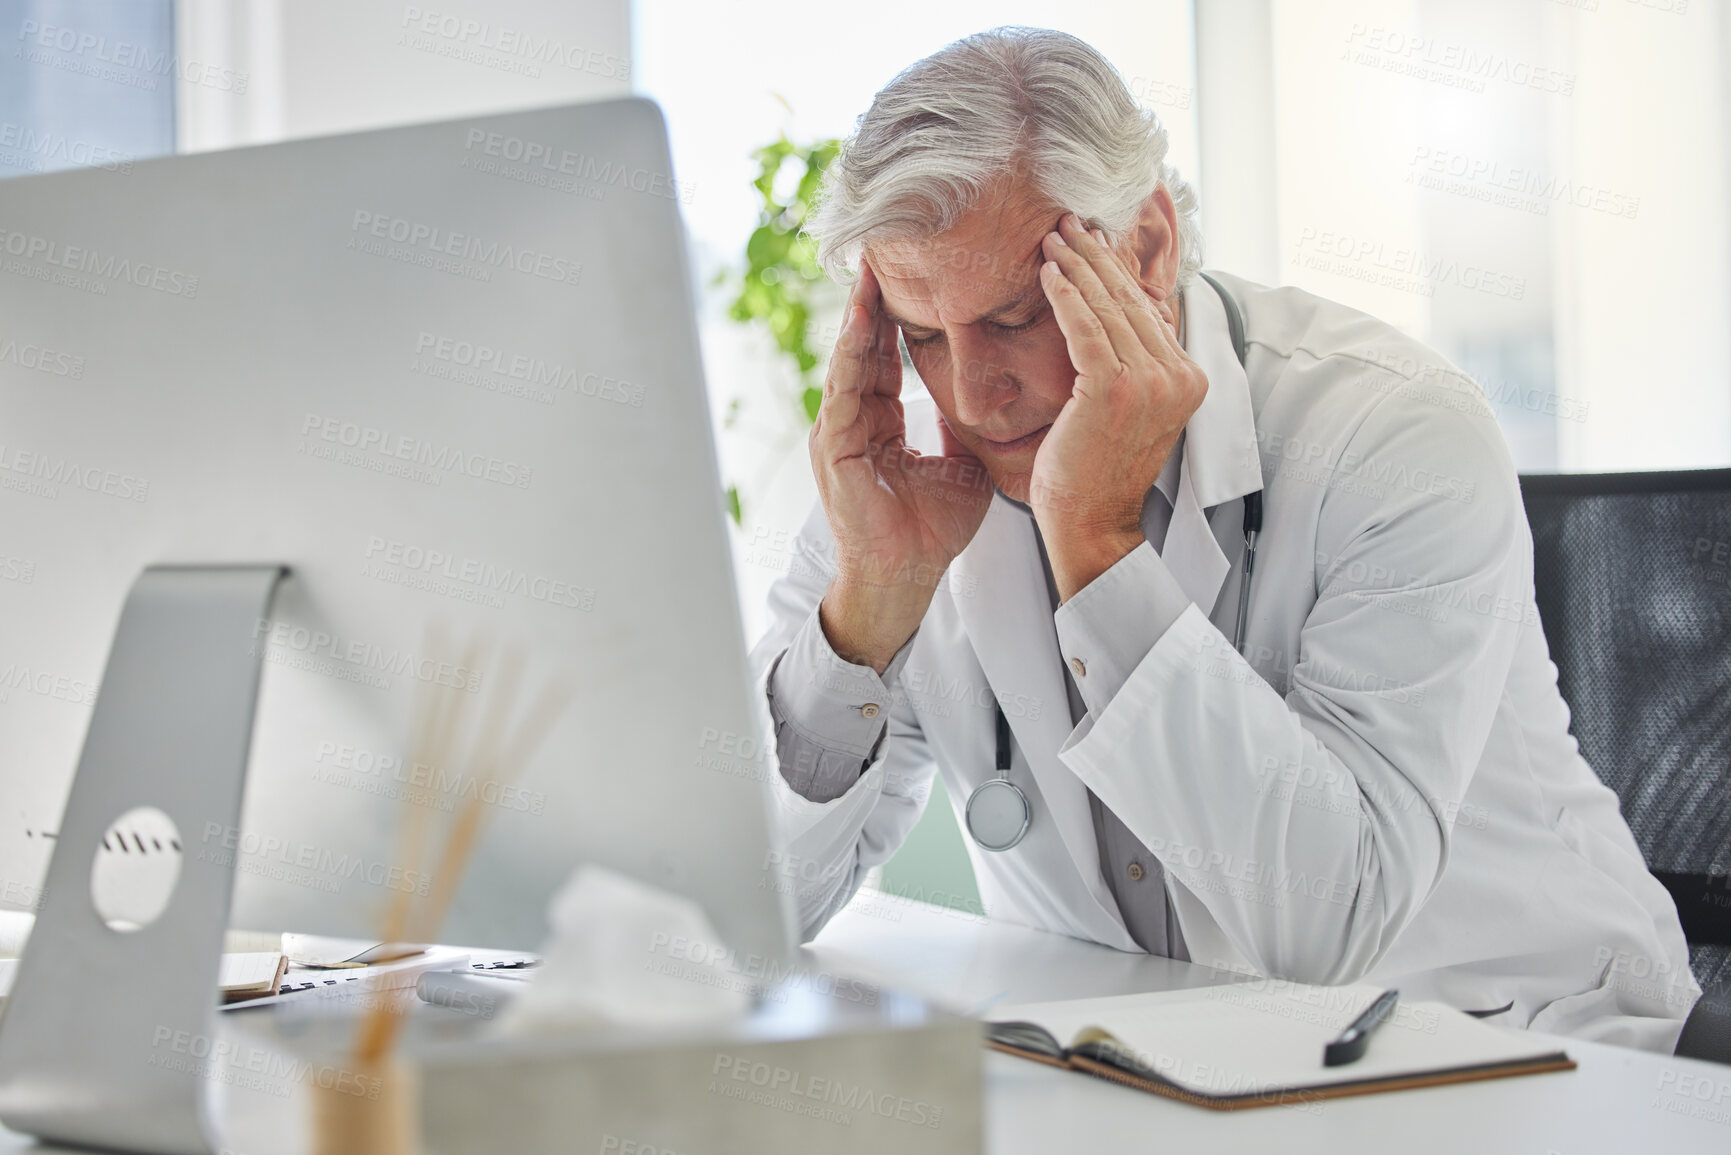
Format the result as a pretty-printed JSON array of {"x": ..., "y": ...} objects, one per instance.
[{"x": 898, "y": 518}]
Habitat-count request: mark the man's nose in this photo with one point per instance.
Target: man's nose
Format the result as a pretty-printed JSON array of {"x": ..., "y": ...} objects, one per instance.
[{"x": 980, "y": 381}]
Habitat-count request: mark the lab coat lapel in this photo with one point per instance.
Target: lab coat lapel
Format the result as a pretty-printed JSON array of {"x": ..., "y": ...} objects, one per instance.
[
  {"x": 1191, "y": 552},
  {"x": 1220, "y": 459},
  {"x": 1009, "y": 622}
]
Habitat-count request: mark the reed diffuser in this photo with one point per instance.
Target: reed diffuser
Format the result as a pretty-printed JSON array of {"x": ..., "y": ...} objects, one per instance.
[{"x": 374, "y": 1108}]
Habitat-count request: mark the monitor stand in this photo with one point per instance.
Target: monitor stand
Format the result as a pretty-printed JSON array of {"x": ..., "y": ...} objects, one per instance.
[{"x": 98, "y": 1043}]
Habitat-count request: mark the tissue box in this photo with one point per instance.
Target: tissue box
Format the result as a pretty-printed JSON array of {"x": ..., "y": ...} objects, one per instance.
[{"x": 837, "y": 1066}]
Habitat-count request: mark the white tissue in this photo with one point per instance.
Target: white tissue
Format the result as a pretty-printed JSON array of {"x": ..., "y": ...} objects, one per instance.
[{"x": 622, "y": 952}]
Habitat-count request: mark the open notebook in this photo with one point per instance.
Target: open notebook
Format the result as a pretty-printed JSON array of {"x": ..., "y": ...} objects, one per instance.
[{"x": 1260, "y": 1043}]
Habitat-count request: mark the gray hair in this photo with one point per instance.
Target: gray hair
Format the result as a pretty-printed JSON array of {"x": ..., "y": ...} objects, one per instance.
[{"x": 1007, "y": 100}]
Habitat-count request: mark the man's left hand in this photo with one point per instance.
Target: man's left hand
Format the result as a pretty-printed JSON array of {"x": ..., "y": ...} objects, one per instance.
[{"x": 1136, "y": 389}]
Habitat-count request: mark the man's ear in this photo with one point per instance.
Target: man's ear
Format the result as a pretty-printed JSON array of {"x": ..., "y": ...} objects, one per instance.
[{"x": 1153, "y": 242}]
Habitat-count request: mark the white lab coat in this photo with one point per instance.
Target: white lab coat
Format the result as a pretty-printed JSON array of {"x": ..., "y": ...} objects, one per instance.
[{"x": 1382, "y": 790}]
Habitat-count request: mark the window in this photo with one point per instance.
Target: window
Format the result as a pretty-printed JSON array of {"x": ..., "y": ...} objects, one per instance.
[{"x": 85, "y": 83}]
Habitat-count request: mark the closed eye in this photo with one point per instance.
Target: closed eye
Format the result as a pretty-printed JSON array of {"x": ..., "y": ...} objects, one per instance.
[{"x": 1031, "y": 322}]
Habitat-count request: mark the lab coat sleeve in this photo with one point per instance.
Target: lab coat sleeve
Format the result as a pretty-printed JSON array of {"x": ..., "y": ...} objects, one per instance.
[
  {"x": 829, "y": 715},
  {"x": 1313, "y": 826},
  {"x": 825, "y": 845},
  {"x": 1116, "y": 619}
]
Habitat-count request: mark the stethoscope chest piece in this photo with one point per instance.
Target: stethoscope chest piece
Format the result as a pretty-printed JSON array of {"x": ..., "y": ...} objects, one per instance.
[{"x": 998, "y": 814}]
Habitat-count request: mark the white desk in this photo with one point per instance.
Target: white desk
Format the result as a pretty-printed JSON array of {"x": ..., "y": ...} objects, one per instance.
[
  {"x": 1619, "y": 1101},
  {"x": 1615, "y": 1103}
]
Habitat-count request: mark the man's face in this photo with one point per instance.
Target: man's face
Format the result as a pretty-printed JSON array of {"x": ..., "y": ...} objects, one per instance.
[{"x": 980, "y": 330}]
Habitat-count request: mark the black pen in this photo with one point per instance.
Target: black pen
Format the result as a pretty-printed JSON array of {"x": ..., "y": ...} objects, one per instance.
[{"x": 1349, "y": 1048}]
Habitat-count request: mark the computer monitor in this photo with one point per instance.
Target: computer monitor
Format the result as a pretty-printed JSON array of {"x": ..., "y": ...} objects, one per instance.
[{"x": 448, "y": 374}]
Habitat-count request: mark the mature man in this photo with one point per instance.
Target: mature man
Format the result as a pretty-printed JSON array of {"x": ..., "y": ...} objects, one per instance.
[{"x": 1379, "y": 784}]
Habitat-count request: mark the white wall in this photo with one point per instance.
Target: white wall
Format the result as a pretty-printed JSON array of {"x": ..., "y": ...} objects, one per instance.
[
  {"x": 1580, "y": 149},
  {"x": 1644, "y": 312},
  {"x": 279, "y": 69}
]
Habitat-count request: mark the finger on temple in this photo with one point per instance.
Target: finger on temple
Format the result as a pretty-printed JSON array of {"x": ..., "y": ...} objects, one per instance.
[
  {"x": 1079, "y": 267},
  {"x": 1091, "y": 351},
  {"x": 841, "y": 394},
  {"x": 882, "y": 354},
  {"x": 1120, "y": 281}
]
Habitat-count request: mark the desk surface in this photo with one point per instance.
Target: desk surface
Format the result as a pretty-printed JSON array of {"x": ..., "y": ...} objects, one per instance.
[{"x": 1619, "y": 1101}]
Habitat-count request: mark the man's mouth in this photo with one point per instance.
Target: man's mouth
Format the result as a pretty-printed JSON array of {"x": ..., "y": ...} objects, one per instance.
[{"x": 1026, "y": 441}]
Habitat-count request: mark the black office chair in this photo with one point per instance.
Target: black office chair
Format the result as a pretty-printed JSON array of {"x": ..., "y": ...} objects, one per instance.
[{"x": 1633, "y": 576}]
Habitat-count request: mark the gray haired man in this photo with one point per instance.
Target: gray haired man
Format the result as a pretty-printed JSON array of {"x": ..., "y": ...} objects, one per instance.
[{"x": 1353, "y": 765}]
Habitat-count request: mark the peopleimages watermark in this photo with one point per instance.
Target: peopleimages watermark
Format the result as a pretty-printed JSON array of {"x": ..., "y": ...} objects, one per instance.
[
  {"x": 42, "y": 359},
  {"x": 541, "y": 162},
  {"x": 17, "y": 569},
  {"x": 797, "y": 1093},
  {"x": 934, "y": 694},
  {"x": 1398, "y": 267},
  {"x": 1336, "y": 790},
  {"x": 362, "y": 656},
  {"x": 1161, "y": 92},
  {"x": 1446, "y": 62},
  {"x": 1511, "y": 186},
  {"x": 503, "y": 47},
  {"x": 1446, "y": 387},
  {"x": 418, "y": 567},
  {"x": 1656, "y": 980},
  {"x": 1697, "y": 1096},
  {"x": 86, "y": 269},
  {"x": 303, "y": 863},
  {"x": 46, "y": 684},
  {"x": 1712, "y": 561},
  {"x": 615, "y": 1145},
  {"x": 251, "y": 1066},
  {"x": 36, "y": 150},
  {"x": 1406, "y": 591},
  {"x": 398, "y": 454},
  {"x": 1347, "y": 470},
  {"x": 120, "y": 61},
  {"x": 1307, "y": 1002},
  {"x": 803, "y": 876},
  {"x": 1265, "y": 883},
  {"x": 40, "y": 474},
  {"x": 719, "y": 966},
  {"x": 448, "y": 251},
  {"x": 391, "y": 775},
  {"x": 790, "y": 552},
  {"x": 515, "y": 373}
]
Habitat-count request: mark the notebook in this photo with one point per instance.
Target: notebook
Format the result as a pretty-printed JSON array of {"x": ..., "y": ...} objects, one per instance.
[
  {"x": 250, "y": 975},
  {"x": 241, "y": 976},
  {"x": 1260, "y": 1043}
]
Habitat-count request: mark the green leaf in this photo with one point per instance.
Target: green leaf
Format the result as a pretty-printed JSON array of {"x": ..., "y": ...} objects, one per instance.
[
  {"x": 733, "y": 506},
  {"x": 779, "y": 280},
  {"x": 768, "y": 246}
]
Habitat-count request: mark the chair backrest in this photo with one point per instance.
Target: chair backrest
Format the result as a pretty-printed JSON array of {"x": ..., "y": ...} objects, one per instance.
[{"x": 1633, "y": 583}]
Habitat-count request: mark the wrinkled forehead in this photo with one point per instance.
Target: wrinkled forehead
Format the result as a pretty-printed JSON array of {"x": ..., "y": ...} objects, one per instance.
[{"x": 990, "y": 257}]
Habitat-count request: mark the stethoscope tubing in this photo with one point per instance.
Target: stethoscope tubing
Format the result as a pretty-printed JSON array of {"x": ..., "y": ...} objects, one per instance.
[{"x": 979, "y": 801}]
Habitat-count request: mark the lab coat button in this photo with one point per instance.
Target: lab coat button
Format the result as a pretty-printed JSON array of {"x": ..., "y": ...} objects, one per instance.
[
  {"x": 1078, "y": 668},
  {"x": 1135, "y": 872},
  {"x": 870, "y": 709}
]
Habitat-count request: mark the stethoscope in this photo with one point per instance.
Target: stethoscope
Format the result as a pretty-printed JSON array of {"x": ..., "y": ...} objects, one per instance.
[{"x": 998, "y": 813}]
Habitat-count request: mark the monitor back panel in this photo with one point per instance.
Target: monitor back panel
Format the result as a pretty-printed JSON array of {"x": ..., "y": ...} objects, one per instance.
[{"x": 449, "y": 374}]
